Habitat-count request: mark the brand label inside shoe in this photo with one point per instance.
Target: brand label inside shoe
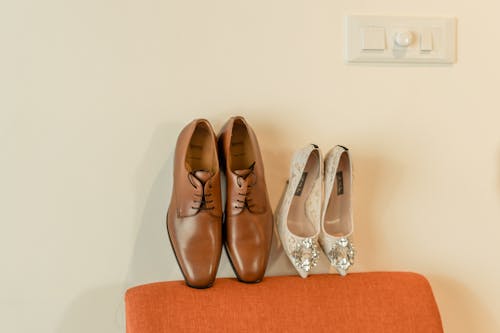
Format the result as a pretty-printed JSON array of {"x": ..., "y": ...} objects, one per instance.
[
  {"x": 300, "y": 187},
  {"x": 340, "y": 183}
]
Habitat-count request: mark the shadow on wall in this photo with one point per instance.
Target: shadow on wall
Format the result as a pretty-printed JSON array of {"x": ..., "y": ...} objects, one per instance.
[
  {"x": 464, "y": 311},
  {"x": 276, "y": 154},
  {"x": 152, "y": 258},
  {"x": 93, "y": 309},
  {"x": 372, "y": 175},
  {"x": 366, "y": 181}
]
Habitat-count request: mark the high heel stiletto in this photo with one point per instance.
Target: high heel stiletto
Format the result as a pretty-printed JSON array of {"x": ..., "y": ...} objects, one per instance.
[
  {"x": 337, "y": 217},
  {"x": 298, "y": 214}
]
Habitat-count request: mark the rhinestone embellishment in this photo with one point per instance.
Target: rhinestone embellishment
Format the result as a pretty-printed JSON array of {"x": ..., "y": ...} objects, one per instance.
[
  {"x": 305, "y": 253},
  {"x": 342, "y": 255}
]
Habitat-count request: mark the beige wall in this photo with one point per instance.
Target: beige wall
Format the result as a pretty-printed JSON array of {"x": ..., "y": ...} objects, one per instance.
[{"x": 93, "y": 94}]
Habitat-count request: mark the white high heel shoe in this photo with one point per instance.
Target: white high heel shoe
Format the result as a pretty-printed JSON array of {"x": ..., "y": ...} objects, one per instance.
[
  {"x": 336, "y": 216},
  {"x": 298, "y": 213}
]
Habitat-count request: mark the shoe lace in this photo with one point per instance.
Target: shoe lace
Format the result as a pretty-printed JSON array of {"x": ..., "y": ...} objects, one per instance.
[
  {"x": 202, "y": 198},
  {"x": 245, "y": 184}
]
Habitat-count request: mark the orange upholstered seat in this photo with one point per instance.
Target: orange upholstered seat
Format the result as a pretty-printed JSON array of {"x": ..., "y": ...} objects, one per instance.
[{"x": 359, "y": 302}]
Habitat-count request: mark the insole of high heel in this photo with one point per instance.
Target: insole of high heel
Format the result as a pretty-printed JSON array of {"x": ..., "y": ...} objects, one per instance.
[
  {"x": 298, "y": 220},
  {"x": 337, "y": 216}
]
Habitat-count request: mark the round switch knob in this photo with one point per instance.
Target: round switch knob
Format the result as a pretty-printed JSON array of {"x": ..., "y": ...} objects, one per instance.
[{"x": 403, "y": 38}]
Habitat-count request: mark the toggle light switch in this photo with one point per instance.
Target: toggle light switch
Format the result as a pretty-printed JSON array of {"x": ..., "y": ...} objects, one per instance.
[
  {"x": 426, "y": 40},
  {"x": 373, "y": 38}
]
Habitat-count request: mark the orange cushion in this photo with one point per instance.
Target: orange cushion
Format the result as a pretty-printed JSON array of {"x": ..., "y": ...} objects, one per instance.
[{"x": 359, "y": 302}]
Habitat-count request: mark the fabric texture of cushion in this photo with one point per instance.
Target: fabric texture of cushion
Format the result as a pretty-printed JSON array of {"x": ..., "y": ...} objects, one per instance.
[{"x": 360, "y": 302}]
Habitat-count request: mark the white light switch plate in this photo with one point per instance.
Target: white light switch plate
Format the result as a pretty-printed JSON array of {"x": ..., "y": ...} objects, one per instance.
[{"x": 372, "y": 38}]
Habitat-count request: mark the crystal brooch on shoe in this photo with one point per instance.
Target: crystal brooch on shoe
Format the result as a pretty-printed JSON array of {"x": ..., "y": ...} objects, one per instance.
[
  {"x": 341, "y": 255},
  {"x": 305, "y": 253}
]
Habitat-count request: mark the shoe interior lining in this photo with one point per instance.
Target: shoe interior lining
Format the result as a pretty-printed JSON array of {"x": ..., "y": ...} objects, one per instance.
[
  {"x": 242, "y": 154},
  {"x": 338, "y": 220},
  {"x": 298, "y": 220},
  {"x": 201, "y": 153}
]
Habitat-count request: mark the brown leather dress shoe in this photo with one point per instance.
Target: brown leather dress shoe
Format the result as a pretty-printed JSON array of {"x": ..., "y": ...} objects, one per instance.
[
  {"x": 248, "y": 216},
  {"x": 194, "y": 218}
]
